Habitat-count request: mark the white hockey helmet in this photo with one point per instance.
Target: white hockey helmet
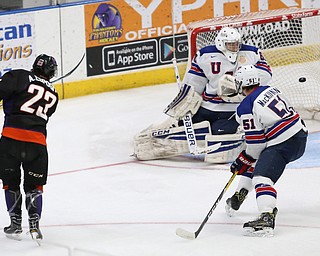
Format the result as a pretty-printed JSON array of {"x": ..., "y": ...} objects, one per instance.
[
  {"x": 245, "y": 76},
  {"x": 228, "y": 41}
]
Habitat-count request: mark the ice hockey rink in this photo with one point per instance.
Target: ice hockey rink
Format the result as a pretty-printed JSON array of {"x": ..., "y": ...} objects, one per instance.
[{"x": 101, "y": 201}]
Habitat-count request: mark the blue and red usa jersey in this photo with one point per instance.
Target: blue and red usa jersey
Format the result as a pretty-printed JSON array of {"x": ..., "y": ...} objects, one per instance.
[
  {"x": 267, "y": 118},
  {"x": 209, "y": 65}
]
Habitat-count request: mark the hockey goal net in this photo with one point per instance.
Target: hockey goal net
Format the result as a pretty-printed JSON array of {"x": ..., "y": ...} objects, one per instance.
[{"x": 290, "y": 41}]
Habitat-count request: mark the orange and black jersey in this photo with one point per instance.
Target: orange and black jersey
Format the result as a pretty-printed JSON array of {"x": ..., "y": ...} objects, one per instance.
[{"x": 28, "y": 102}]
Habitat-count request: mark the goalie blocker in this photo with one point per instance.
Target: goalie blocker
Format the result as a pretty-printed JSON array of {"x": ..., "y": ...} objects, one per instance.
[
  {"x": 168, "y": 142},
  {"x": 187, "y": 101}
]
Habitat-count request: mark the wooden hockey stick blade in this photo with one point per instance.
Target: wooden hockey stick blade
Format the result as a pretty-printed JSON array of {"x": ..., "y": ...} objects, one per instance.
[
  {"x": 199, "y": 151},
  {"x": 185, "y": 234}
]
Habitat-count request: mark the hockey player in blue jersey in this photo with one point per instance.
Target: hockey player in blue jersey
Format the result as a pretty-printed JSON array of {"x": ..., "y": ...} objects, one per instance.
[
  {"x": 209, "y": 100},
  {"x": 275, "y": 135}
]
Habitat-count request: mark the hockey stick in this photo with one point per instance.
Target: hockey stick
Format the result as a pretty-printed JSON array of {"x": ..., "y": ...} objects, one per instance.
[
  {"x": 193, "y": 235},
  {"x": 188, "y": 125},
  {"x": 64, "y": 76},
  {"x": 187, "y": 119},
  {"x": 71, "y": 71}
]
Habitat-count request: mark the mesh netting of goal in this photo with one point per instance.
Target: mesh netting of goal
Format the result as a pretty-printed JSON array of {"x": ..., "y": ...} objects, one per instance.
[{"x": 290, "y": 41}]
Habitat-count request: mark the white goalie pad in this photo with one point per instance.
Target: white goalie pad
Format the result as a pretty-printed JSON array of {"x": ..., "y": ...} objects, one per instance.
[
  {"x": 168, "y": 123},
  {"x": 231, "y": 146},
  {"x": 187, "y": 101},
  {"x": 167, "y": 142}
]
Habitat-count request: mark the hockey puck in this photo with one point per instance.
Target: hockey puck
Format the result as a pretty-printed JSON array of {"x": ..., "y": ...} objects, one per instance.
[{"x": 302, "y": 79}]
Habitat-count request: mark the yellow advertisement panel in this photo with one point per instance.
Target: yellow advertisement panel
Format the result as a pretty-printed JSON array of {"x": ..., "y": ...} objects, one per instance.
[
  {"x": 132, "y": 34},
  {"x": 129, "y": 20}
]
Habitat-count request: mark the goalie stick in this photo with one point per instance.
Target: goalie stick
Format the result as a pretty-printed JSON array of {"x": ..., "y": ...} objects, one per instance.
[
  {"x": 193, "y": 235},
  {"x": 187, "y": 119},
  {"x": 188, "y": 125},
  {"x": 71, "y": 71}
]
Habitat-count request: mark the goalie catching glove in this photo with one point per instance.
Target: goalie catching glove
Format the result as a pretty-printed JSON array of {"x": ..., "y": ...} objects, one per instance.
[
  {"x": 187, "y": 101},
  {"x": 227, "y": 89}
]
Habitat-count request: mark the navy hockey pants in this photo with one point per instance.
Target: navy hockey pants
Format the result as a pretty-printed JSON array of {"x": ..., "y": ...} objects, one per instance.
[{"x": 273, "y": 159}]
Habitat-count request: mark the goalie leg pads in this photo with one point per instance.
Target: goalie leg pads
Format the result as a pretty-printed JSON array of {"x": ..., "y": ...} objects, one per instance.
[
  {"x": 168, "y": 123},
  {"x": 231, "y": 146},
  {"x": 163, "y": 143}
]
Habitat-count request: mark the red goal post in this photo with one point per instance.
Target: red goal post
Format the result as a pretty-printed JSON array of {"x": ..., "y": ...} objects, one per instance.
[{"x": 289, "y": 39}]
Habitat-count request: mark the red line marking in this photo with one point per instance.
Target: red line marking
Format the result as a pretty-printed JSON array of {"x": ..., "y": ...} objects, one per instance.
[
  {"x": 92, "y": 168},
  {"x": 167, "y": 223},
  {"x": 213, "y": 167},
  {"x": 148, "y": 163},
  {"x": 222, "y": 167}
]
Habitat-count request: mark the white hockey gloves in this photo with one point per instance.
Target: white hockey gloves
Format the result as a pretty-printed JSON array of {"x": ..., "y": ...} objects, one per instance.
[
  {"x": 186, "y": 101},
  {"x": 227, "y": 89}
]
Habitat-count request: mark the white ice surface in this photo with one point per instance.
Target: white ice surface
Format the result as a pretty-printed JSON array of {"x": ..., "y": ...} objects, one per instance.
[{"x": 101, "y": 201}]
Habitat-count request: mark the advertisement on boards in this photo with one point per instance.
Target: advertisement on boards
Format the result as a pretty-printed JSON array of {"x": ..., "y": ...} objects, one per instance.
[
  {"x": 17, "y": 38},
  {"x": 124, "y": 35}
]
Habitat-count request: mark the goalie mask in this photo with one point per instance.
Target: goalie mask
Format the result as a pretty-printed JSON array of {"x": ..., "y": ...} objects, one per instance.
[
  {"x": 246, "y": 76},
  {"x": 45, "y": 66},
  {"x": 228, "y": 41}
]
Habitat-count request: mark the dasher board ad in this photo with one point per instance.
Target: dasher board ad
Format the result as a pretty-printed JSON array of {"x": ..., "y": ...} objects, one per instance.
[
  {"x": 17, "y": 42},
  {"x": 114, "y": 44},
  {"x": 116, "y": 30}
]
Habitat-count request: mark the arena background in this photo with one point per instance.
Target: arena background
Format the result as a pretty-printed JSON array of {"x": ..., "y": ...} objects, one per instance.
[{"x": 137, "y": 36}]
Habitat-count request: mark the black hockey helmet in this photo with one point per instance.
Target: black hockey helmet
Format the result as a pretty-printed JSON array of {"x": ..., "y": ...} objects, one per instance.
[{"x": 45, "y": 66}]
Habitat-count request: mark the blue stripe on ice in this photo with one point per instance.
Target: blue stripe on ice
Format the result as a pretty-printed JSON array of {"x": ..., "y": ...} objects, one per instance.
[{"x": 311, "y": 156}]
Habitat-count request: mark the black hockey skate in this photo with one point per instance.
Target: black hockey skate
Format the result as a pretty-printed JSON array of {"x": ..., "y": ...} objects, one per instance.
[
  {"x": 14, "y": 230},
  {"x": 234, "y": 202},
  {"x": 263, "y": 226},
  {"x": 34, "y": 228}
]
